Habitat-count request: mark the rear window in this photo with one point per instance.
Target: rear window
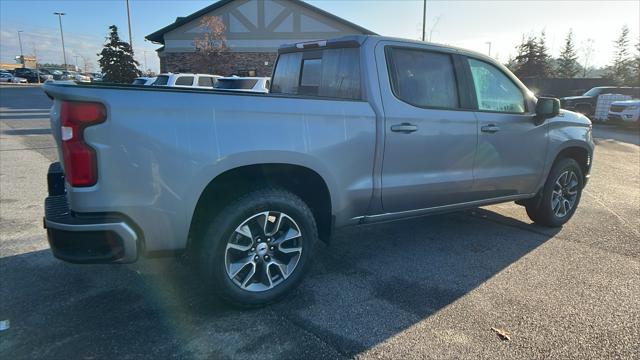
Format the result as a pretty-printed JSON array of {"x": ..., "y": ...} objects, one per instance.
[
  {"x": 184, "y": 81},
  {"x": 161, "y": 80},
  {"x": 242, "y": 84},
  {"x": 311, "y": 72},
  {"x": 333, "y": 73},
  {"x": 207, "y": 81},
  {"x": 139, "y": 81}
]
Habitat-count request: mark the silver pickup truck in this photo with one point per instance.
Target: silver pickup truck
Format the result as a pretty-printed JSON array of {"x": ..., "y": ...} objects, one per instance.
[{"x": 354, "y": 130}]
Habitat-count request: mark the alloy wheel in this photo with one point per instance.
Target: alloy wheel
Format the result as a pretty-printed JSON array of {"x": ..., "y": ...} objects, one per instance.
[
  {"x": 565, "y": 193},
  {"x": 263, "y": 251}
]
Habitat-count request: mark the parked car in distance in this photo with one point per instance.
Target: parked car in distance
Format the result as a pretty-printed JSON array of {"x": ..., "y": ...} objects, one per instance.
[
  {"x": 249, "y": 84},
  {"x": 95, "y": 77},
  {"x": 75, "y": 76},
  {"x": 625, "y": 112},
  {"x": 144, "y": 81},
  {"x": 186, "y": 80},
  {"x": 586, "y": 104},
  {"x": 31, "y": 75},
  {"x": 9, "y": 78},
  {"x": 57, "y": 74},
  {"x": 355, "y": 130}
]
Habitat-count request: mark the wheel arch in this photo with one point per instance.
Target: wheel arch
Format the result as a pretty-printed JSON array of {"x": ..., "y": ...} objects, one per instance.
[
  {"x": 576, "y": 151},
  {"x": 303, "y": 181}
]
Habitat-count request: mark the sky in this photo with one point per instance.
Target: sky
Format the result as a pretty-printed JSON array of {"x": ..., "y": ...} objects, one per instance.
[{"x": 467, "y": 24}]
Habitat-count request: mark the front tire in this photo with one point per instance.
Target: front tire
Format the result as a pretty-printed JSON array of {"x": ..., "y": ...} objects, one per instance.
[
  {"x": 258, "y": 247},
  {"x": 560, "y": 196}
]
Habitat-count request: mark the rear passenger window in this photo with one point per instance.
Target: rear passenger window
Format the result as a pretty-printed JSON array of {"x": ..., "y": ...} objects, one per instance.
[
  {"x": 333, "y": 73},
  {"x": 423, "y": 78},
  {"x": 184, "y": 80},
  {"x": 494, "y": 90},
  {"x": 205, "y": 81}
]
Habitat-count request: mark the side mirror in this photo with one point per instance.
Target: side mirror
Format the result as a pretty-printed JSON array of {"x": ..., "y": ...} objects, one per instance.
[{"x": 546, "y": 108}]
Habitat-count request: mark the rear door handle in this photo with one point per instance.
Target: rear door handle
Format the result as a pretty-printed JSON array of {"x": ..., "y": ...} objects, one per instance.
[
  {"x": 404, "y": 128},
  {"x": 491, "y": 128}
]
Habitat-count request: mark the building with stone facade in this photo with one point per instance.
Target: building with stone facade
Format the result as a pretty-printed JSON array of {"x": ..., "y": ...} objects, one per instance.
[{"x": 254, "y": 31}]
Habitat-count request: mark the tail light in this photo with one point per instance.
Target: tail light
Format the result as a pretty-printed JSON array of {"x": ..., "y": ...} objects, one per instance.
[{"x": 80, "y": 162}]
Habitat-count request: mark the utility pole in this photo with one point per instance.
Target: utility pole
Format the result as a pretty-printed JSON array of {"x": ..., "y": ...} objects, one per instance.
[
  {"x": 129, "y": 20},
  {"x": 64, "y": 54},
  {"x": 424, "y": 18},
  {"x": 35, "y": 58},
  {"x": 21, "y": 53}
]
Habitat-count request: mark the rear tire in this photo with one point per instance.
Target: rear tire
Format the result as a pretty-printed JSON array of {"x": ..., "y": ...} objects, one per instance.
[
  {"x": 257, "y": 248},
  {"x": 560, "y": 196}
]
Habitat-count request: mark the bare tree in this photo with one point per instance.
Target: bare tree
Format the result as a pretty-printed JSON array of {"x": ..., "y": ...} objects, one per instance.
[
  {"x": 211, "y": 43},
  {"x": 433, "y": 27},
  {"x": 586, "y": 50}
]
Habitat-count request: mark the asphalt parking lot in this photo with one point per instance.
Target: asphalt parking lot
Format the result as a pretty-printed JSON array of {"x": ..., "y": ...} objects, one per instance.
[{"x": 423, "y": 288}]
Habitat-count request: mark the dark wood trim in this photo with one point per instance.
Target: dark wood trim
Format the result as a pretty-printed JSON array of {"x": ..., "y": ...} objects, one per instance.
[
  {"x": 261, "y": 24},
  {"x": 279, "y": 20},
  {"x": 246, "y": 22}
]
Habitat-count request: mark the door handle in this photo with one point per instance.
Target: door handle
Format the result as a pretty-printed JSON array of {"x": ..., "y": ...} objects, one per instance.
[
  {"x": 405, "y": 128},
  {"x": 491, "y": 128}
]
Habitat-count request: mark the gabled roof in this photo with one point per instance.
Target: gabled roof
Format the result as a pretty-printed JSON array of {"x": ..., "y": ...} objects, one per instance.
[{"x": 158, "y": 36}]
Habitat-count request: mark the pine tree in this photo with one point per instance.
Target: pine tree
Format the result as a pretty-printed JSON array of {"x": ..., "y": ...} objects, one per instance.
[
  {"x": 511, "y": 64},
  {"x": 568, "y": 66},
  {"x": 533, "y": 59},
  {"x": 636, "y": 67},
  {"x": 525, "y": 62},
  {"x": 620, "y": 71},
  {"x": 116, "y": 60},
  {"x": 544, "y": 59}
]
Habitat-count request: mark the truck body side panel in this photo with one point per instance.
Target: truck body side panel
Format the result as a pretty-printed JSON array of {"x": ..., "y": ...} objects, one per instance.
[{"x": 158, "y": 150}]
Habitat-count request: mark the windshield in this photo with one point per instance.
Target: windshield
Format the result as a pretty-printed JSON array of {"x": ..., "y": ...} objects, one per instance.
[
  {"x": 598, "y": 90},
  {"x": 593, "y": 92},
  {"x": 244, "y": 84}
]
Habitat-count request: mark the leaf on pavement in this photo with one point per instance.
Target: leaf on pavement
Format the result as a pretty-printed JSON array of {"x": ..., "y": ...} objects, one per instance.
[{"x": 502, "y": 333}]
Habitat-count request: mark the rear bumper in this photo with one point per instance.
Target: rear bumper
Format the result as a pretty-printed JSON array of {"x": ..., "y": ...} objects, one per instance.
[{"x": 85, "y": 238}]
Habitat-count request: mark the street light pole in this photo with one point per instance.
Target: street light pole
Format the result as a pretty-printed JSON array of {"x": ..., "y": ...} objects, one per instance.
[
  {"x": 424, "y": 18},
  {"x": 129, "y": 20},
  {"x": 489, "y": 43},
  {"x": 64, "y": 54},
  {"x": 21, "y": 53}
]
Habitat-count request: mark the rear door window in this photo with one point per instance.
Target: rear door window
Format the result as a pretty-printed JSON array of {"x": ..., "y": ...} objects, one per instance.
[
  {"x": 423, "y": 78},
  {"x": 206, "y": 81},
  {"x": 184, "y": 81}
]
